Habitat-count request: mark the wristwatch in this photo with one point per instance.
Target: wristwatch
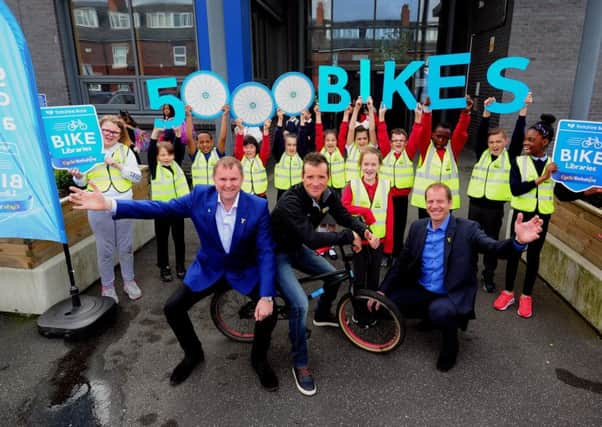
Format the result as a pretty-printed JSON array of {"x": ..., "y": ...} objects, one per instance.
[{"x": 269, "y": 299}]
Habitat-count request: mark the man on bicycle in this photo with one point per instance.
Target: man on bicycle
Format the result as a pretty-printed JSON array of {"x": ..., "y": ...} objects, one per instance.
[{"x": 294, "y": 220}]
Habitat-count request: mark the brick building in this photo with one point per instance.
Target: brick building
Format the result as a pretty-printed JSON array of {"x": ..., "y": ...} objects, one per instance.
[{"x": 102, "y": 52}]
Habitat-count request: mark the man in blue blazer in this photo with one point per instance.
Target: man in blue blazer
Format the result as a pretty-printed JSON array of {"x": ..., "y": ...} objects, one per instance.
[
  {"x": 435, "y": 275},
  {"x": 237, "y": 250}
]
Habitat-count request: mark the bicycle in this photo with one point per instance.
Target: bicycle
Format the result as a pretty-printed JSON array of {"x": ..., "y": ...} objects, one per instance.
[{"x": 233, "y": 313}]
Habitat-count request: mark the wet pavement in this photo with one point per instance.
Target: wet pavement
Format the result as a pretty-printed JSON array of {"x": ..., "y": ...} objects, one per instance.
[{"x": 510, "y": 371}]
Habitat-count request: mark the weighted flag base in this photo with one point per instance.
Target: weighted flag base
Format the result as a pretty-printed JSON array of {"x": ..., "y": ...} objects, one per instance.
[{"x": 71, "y": 322}]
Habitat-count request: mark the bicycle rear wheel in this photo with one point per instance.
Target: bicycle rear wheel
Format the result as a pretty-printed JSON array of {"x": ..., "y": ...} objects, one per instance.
[
  {"x": 233, "y": 315},
  {"x": 377, "y": 332}
]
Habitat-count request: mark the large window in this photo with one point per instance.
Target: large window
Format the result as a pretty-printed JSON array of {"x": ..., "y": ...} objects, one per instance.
[
  {"x": 85, "y": 17},
  {"x": 125, "y": 42},
  {"x": 343, "y": 32}
]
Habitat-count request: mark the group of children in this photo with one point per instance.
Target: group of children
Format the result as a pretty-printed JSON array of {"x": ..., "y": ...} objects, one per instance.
[{"x": 372, "y": 171}]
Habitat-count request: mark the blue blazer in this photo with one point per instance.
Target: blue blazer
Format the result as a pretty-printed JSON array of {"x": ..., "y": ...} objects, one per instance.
[
  {"x": 463, "y": 241},
  {"x": 251, "y": 261}
]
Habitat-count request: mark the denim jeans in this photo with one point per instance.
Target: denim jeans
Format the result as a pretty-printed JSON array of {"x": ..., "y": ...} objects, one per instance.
[{"x": 306, "y": 261}]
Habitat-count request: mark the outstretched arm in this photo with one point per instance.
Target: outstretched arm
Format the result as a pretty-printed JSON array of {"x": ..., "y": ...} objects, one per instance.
[
  {"x": 190, "y": 142},
  {"x": 221, "y": 140}
]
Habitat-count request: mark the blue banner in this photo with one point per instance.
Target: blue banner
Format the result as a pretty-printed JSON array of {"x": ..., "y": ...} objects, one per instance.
[
  {"x": 578, "y": 154},
  {"x": 74, "y": 136},
  {"x": 29, "y": 204}
]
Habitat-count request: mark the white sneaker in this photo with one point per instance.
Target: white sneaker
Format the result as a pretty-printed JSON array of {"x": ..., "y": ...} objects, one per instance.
[
  {"x": 109, "y": 291},
  {"x": 132, "y": 289}
]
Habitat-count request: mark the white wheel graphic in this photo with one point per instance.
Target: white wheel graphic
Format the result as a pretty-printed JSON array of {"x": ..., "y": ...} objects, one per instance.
[
  {"x": 293, "y": 92},
  {"x": 253, "y": 103},
  {"x": 206, "y": 93}
]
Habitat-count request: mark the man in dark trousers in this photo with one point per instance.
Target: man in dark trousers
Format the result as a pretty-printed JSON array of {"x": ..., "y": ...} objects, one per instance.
[
  {"x": 435, "y": 276},
  {"x": 294, "y": 221},
  {"x": 236, "y": 251}
]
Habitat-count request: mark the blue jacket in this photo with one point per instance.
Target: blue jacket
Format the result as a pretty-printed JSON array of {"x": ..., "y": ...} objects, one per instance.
[
  {"x": 464, "y": 240},
  {"x": 251, "y": 261}
]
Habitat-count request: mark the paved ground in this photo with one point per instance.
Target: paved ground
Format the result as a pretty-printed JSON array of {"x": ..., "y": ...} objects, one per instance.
[{"x": 510, "y": 371}]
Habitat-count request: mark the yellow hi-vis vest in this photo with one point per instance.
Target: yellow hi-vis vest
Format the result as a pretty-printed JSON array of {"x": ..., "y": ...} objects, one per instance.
[
  {"x": 255, "y": 180},
  {"x": 287, "y": 171},
  {"x": 104, "y": 176},
  {"x": 399, "y": 171},
  {"x": 336, "y": 163},
  {"x": 540, "y": 198},
  {"x": 433, "y": 169},
  {"x": 168, "y": 185},
  {"x": 491, "y": 178},
  {"x": 378, "y": 206},
  {"x": 352, "y": 164},
  {"x": 202, "y": 168}
]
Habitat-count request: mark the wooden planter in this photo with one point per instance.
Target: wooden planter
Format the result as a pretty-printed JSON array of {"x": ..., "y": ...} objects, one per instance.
[
  {"x": 571, "y": 259},
  {"x": 30, "y": 253}
]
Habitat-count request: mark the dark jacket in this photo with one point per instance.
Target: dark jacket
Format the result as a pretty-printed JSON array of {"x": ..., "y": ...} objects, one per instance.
[
  {"x": 296, "y": 216},
  {"x": 464, "y": 240}
]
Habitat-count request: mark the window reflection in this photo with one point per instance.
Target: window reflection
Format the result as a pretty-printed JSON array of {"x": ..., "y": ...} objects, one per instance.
[
  {"x": 103, "y": 38},
  {"x": 111, "y": 93},
  {"x": 163, "y": 42},
  {"x": 166, "y": 39}
]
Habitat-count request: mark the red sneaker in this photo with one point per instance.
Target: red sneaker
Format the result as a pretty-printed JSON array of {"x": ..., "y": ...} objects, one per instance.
[
  {"x": 525, "y": 306},
  {"x": 505, "y": 300}
]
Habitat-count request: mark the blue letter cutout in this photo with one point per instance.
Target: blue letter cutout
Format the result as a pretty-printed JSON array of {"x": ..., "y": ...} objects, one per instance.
[
  {"x": 397, "y": 84},
  {"x": 435, "y": 82},
  {"x": 365, "y": 79},
  {"x": 519, "y": 89},
  {"x": 326, "y": 88},
  {"x": 156, "y": 101}
]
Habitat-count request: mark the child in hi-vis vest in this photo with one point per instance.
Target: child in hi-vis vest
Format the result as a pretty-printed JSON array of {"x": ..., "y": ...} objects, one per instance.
[
  {"x": 532, "y": 194},
  {"x": 168, "y": 182}
]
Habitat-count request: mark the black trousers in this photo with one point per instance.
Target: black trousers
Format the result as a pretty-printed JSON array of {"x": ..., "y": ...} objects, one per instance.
[
  {"x": 176, "y": 311},
  {"x": 490, "y": 219},
  {"x": 162, "y": 227},
  {"x": 400, "y": 217},
  {"x": 416, "y": 302},
  {"x": 366, "y": 266},
  {"x": 533, "y": 253}
]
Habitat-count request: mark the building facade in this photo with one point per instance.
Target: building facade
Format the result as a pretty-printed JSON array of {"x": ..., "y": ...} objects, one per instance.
[{"x": 103, "y": 51}]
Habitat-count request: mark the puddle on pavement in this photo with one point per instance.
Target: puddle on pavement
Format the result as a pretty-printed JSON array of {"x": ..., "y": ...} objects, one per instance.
[{"x": 78, "y": 392}]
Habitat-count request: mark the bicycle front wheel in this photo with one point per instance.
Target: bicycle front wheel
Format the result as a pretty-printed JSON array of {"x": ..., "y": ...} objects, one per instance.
[
  {"x": 377, "y": 332},
  {"x": 233, "y": 315}
]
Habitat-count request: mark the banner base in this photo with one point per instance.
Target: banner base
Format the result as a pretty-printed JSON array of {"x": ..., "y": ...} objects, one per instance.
[{"x": 69, "y": 322}]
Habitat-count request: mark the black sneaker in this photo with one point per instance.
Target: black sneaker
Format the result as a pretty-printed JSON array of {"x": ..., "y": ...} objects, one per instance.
[
  {"x": 304, "y": 381},
  {"x": 489, "y": 286},
  {"x": 325, "y": 320},
  {"x": 166, "y": 274},
  {"x": 180, "y": 271}
]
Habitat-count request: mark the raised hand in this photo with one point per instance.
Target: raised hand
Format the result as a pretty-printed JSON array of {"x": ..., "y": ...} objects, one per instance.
[
  {"x": 381, "y": 112},
  {"x": 487, "y": 103},
  {"x": 527, "y": 232},
  {"x": 469, "y": 104},
  {"x": 418, "y": 113},
  {"x": 90, "y": 200},
  {"x": 266, "y": 126}
]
